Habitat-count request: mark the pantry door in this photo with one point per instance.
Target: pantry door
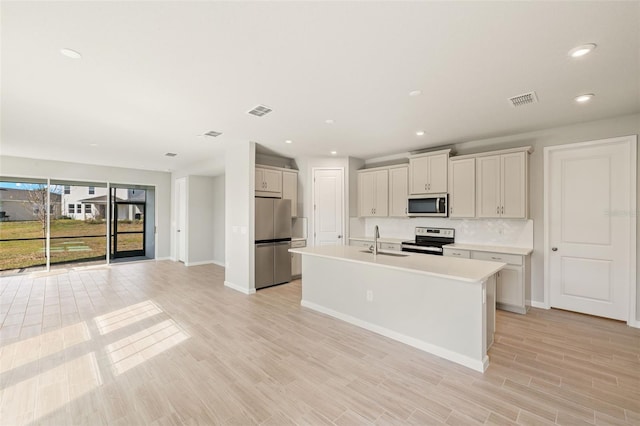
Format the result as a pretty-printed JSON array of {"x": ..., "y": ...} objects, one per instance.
[
  {"x": 590, "y": 226},
  {"x": 328, "y": 207}
]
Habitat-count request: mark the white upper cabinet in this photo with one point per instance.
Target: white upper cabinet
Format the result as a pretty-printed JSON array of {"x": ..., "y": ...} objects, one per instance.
[
  {"x": 268, "y": 180},
  {"x": 462, "y": 188},
  {"x": 290, "y": 190},
  {"x": 373, "y": 193},
  {"x": 428, "y": 173},
  {"x": 398, "y": 190},
  {"x": 501, "y": 185}
]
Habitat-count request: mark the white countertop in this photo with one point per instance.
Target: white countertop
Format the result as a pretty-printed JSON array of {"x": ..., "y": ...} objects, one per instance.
[
  {"x": 298, "y": 239},
  {"x": 382, "y": 240},
  {"x": 469, "y": 270},
  {"x": 520, "y": 251}
]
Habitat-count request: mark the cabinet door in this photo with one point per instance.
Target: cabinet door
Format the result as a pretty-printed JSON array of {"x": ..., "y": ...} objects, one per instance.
[
  {"x": 513, "y": 169},
  {"x": 437, "y": 173},
  {"x": 290, "y": 190},
  {"x": 259, "y": 179},
  {"x": 381, "y": 201},
  {"x": 488, "y": 186},
  {"x": 418, "y": 178},
  {"x": 462, "y": 188},
  {"x": 296, "y": 264},
  {"x": 398, "y": 191},
  {"x": 509, "y": 286},
  {"x": 272, "y": 180},
  {"x": 366, "y": 194}
]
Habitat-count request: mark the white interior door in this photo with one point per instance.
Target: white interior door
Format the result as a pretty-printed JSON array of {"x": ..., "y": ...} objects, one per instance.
[
  {"x": 589, "y": 228},
  {"x": 181, "y": 220},
  {"x": 328, "y": 203}
]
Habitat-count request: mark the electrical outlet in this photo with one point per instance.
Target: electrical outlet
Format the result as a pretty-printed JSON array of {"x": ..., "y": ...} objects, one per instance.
[{"x": 369, "y": 295}]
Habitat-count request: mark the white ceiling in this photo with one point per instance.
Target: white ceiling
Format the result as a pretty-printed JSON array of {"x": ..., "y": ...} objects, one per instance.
[{"x": 156, "y": 75}]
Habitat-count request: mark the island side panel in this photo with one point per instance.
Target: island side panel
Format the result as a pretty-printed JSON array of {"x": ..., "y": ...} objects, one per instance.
[{"x": 441, "y": 316}]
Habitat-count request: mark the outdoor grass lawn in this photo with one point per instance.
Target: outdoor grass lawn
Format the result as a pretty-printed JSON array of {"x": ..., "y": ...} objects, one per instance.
[{"x": 23, "y": 254}]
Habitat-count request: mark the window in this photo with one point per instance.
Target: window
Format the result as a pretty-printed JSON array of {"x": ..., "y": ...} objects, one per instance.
[
  {"x": 67, "y": 189},
  {"x": 72, "y": 208},
  {"x": 79, "y": 208},
  {"x": 92, "y": 190},
  {"x": 87, "y": 208},
  {"x": 36, "y": 209}
]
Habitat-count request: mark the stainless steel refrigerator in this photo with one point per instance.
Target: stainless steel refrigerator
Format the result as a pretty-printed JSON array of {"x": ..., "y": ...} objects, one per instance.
[{"x": 273, "y": 240}]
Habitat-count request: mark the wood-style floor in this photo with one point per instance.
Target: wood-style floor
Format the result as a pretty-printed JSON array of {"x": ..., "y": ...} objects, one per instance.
[{"x": 159, "y": 343}]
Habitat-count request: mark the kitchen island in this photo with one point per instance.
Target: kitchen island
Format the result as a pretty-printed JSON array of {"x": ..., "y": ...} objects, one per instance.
[{"x": 442, "y": 305}]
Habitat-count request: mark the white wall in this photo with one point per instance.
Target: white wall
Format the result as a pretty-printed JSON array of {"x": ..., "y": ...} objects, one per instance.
[
  {"x": 218, "y": 220},
  {"x": 239, "y": 213},
  {"x": 200, "y": 225},
  {"x": 66, "y": 171}
]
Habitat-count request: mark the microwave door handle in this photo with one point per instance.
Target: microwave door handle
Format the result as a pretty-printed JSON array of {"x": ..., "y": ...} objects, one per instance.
[{"x": 437, "y": 205}]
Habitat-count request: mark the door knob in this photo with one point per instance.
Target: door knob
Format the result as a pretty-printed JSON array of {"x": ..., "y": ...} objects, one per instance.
[
  {"x": 554, "y": 248},
  {"x": 339, "y": 236}
]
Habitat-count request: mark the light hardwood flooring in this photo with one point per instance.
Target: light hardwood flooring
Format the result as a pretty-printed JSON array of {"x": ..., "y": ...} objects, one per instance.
[{"x": 159, "y": 343}]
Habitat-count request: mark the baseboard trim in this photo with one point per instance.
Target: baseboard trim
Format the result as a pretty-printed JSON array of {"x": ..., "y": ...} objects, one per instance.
[
  {"x": 164, "y": 258},
  {"x": 477, "y": 365},
  {"x": 239, "y": 288},
  {"x": 633, "y": 323},
  {"x": 202, "y": 262},
  {"x": 216, "y": 262},
  {"x": 540, "y": 305}
]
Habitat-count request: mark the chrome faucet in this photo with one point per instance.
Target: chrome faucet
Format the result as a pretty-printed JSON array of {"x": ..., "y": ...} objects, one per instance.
[{"x": 376, "y": 235}]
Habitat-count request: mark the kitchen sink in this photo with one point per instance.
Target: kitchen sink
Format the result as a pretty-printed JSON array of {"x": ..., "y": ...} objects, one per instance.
[{"x": 385, "y": 253}]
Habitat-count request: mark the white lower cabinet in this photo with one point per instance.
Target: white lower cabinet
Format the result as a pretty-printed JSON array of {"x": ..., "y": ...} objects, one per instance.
[
  {"x": 296, "y": 259},
  {"x": 513, "y": 284}
]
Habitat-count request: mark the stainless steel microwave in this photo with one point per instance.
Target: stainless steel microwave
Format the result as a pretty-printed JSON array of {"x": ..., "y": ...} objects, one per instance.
[{"x": 434, "y": 205}]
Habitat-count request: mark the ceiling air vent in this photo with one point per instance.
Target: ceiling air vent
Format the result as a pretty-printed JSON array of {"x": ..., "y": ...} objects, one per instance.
[
  {"x": 170, "y": 154},
  {"x": 524, "y": 99},
  {"x": 260, "y": 110},
  {"x": 213, "y": 133}
]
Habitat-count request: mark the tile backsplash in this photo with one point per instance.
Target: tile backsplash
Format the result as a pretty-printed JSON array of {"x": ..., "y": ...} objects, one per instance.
[{"x": 503, "y": 232}]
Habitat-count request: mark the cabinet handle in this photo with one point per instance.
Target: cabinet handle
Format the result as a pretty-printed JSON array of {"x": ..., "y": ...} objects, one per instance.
[
  {"x": 425, "y": 186},
  {"x": 502, "y": 212},
  {"x": 456, "y": 254},
  {"x": 497, "y": 209},
  {"x": 496, "y": 258},
  {"x": 405, "y": 210}
]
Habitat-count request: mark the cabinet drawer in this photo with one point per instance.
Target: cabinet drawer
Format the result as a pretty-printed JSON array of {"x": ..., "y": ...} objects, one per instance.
[
  {"x": 457, "y": 253},
  {"x": 298, "y": 244},
  {"x": 360, "y": 243},
  {"x": 511, "y": 259},
  {"x": 389, "y": 246}
]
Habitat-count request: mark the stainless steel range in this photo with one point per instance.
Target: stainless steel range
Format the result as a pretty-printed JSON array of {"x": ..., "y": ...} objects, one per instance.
[{"x": 430, "y": 240}]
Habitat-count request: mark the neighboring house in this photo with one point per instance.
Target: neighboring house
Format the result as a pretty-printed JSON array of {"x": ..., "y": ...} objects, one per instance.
[
  {"x": 24, "y": 204},
  {"x": 77, "y": 204},
  {"x": 88, "y": 202}
]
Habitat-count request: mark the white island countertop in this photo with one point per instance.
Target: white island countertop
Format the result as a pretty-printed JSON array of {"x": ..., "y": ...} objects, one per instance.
[{"x": 468, "y": 270}]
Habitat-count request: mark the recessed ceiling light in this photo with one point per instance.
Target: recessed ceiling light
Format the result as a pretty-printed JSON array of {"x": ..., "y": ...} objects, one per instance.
[
  {"x": 415, "y": 93},
  {"x": 334, "y": 152},
  {"x": 288, "y": 141},
  {"x": 329, "y": 121},
  {"x": 582, "y": 50},
  {"x": 420, "y": 133},
  {"x": 69, "y": 53},
  {"x": 584, "y": 98},
  {"x": 93, "y": 144}
]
